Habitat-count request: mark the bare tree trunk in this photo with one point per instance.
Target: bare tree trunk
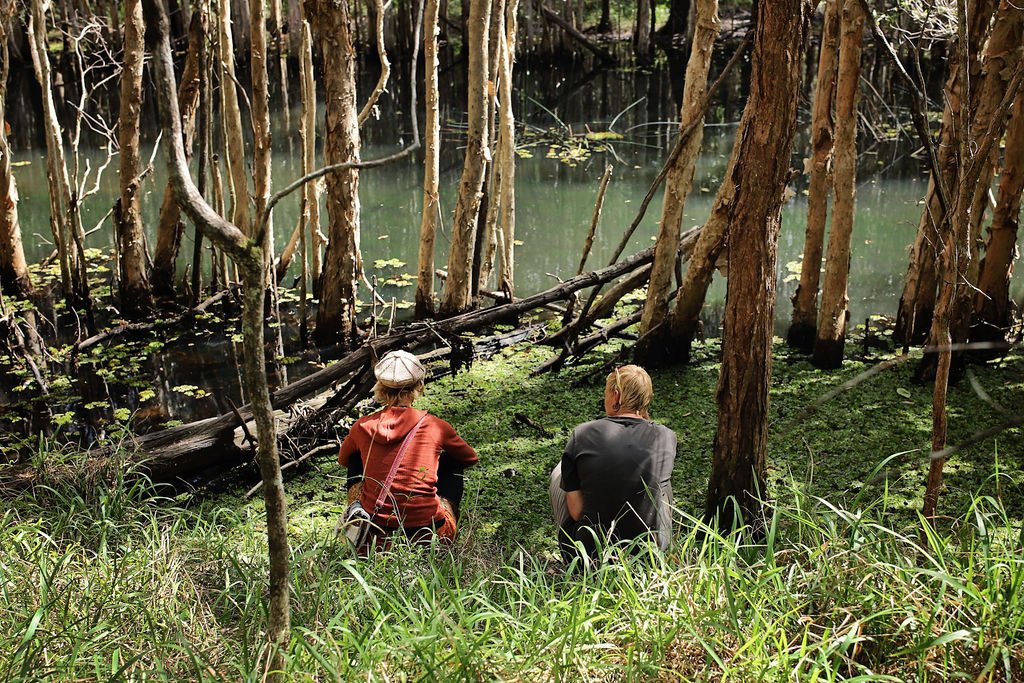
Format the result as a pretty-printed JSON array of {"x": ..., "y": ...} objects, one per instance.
[
  {"x": 336, "y": 316},
  {"x": 642, "y": 31},
  {"x": 992, "y": 300},
  {"x": 261, "y": 122},
  {"x": 973, "y": 153},
  {"x": 310, "y": 193},
  {"x": 1003, "y": 53},
  {"x": 738, "y": 484},
  {"x": 251, "y": 261},
  {"x": 169, "y": 225},
  {"x": 506, "y": 161},
  {"x": 136, "y": 295},
  {"x": 431, "y": 165},
  {"x": 917, "y": 302},
  {"x": 488, "y": 232},
  {"x": 706, "y": 253},
  {"x": 457, "y": 296},
  {"x": 657, "y": 344},
  {"x": 72, "y": 279},
  {"x": 280, "y": 40},
  {"x": 604, "y": 25},
  {"x": 804, "y": 327},
  {"x": 831, "y": 337},
  {"x": 14, "y": 277},
  {"x": 385, "y": 65},
  {"x": 238, "y": 182}
]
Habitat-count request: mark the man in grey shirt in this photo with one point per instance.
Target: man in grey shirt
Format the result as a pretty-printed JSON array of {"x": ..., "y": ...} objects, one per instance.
[{"x": 614, "y": 481}]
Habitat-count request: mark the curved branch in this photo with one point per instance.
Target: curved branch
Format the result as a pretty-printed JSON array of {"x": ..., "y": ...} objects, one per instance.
[{"x": 385, "y": 66}]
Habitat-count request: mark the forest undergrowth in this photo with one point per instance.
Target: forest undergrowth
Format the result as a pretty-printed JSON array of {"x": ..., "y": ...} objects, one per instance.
[{"x": 108, "y": 577}]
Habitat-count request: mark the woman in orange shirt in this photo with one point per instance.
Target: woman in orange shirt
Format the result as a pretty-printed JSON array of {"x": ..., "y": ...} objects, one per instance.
[{"x": 426, "y": 486}]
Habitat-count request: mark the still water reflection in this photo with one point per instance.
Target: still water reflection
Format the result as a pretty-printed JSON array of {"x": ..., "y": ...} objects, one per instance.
[{"x": 555, "y": 202}]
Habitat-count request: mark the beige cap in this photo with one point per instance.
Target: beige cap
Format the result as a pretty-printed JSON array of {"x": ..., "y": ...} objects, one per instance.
[{"x": 399, "y": 369}]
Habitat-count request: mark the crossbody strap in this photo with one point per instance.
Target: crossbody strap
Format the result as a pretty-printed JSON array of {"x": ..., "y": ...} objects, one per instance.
[{"x": 386, "y": 488}]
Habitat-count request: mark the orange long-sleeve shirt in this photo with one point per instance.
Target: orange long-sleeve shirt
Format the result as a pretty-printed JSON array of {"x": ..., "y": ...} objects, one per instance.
[{"x": 377, "y": 438}]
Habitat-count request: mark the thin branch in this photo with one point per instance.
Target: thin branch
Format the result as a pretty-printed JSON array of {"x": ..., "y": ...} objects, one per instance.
[{"x": 385, "y": 66}]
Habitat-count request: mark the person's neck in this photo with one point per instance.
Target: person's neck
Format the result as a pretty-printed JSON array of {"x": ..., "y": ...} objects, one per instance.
[{"x": 621, "y": 413}]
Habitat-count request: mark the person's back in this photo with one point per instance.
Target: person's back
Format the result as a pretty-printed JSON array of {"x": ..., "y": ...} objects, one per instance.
[
  {"x": 404, "y": 465},
  {"x": 614, "y": 480},
  {"x": 622, "y": 466}
]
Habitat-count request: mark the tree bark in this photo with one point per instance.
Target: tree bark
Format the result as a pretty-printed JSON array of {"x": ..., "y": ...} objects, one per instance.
[
  {"x": 642, "y": 32},
  {"x": 457, "y": 294},
  {"x": 502, "y": 191},
  {"x": 738, "y": 484},
  {"x": 431, "y": 164},
  {"x": 260, "y": 124},
  {"x": 1002, "y": 55},
  {"x": 136, "y": 294},
  {"x": 487, "y": 223},
  {"x": 14, "y": 276},
  {"x": 831, "y": 337},
  {"x": 678, "y": 17},
  {"x": 658, "y": 345},
  {"x": 712, "y": 241},
  {"x": 336, "y": 316},
  {"x": 310, "y": 192},
  {"x": 804, "y": 326},
  {"x": 917, "y": 302},
  {"x": 169, "y": 225},
  {"x": 56, "y": 167},
  {"x": 992, "y": 318},
  {"x": 604, "y": 25},
  {"x": 238, "y": 181},
  {"x": 248, "y": 255}
]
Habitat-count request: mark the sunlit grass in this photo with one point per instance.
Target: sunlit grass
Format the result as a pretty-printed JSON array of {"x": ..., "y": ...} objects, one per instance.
[{"x": 103, "y": 579}]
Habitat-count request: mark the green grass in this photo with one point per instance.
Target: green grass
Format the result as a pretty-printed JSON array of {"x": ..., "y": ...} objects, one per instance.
[{"x": 104, "y": 577}]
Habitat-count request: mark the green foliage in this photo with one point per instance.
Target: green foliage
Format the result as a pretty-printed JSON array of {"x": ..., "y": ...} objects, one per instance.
[
  {"x": 105, "y": 580},
  {"x": 102, "y": 578}
]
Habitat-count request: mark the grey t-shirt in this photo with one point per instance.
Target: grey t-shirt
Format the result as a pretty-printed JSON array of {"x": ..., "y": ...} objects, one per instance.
[{"x": 623, "y": 467}]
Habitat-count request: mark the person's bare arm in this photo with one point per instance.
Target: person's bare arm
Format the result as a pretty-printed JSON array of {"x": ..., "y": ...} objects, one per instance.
[{"x": 574, "y": 501}]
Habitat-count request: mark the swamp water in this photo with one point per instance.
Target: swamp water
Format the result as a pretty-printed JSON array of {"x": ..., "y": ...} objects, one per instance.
[{"x": 557, "y": 176}]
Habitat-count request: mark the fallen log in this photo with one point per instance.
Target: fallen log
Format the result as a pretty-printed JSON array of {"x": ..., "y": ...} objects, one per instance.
[
  {"x": 603, "y": 307},
  {"x": 599, "y": 52},
  {"x": 140, "y": 328},
  {"x": 180, "y": 452}
]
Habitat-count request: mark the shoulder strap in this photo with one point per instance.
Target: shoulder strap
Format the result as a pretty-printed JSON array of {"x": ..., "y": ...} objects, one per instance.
[{"x": 386, "y": 488}]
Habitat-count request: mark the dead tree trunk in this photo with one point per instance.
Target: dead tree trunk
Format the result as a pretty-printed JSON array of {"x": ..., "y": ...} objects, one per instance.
[
  {"x": 247, "y": 253},
  {"x": 336, "y": 317},
  {"x": 169, "y": 225},
  {"x": 457, "y": 294},
  {"x": 738, "y": 484},
  {"x": 917, "y": 302},
  {"x": 657, "y": 345},
  {"x": 73, "y": 281},
  {"x": 804, "y": 327},
  {"x": 14, "y": 277},
  {"x": 992, "y": 301},
  {"x": 431, "y": 165},
  {"x": 710, "y": 244},
  {"x": 500, "y": 213},
  {"x": 260, "y": 120},
  {"x": 136, "y": 294},
  {"x": 310, "y": 193},
  {"x": 642, "y": 32},
  {"x": 831, "y": 337},
  {"x": 238, "y": 181},
  {"x": 1003, "y": 53}
]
